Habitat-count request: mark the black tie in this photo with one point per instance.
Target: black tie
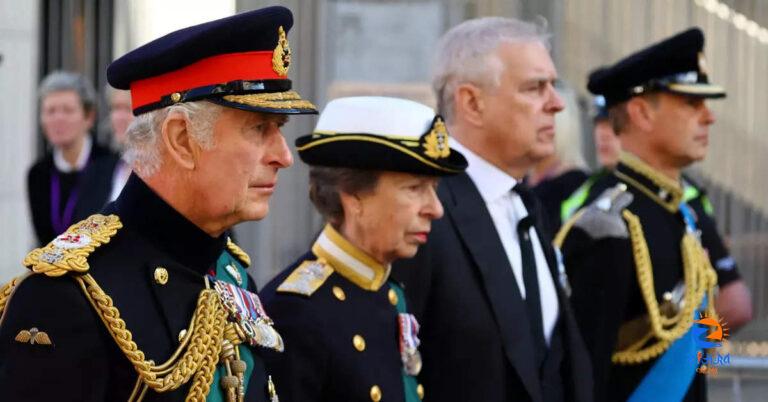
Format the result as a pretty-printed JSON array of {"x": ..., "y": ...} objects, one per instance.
[{"x": 532, "y": 297}]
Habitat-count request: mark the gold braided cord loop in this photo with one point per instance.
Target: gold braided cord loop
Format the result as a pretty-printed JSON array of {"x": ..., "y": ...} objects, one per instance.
[
  {"x": 699, "y": 277},
  {"x": 69, "y": 251},
  {"x": 199, "y": 357},
  {"x": 7, "y": 290},
  {"x": 238, "y": 252}
]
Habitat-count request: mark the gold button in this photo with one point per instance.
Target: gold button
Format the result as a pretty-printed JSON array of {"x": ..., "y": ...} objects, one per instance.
[
  {"x": 339, "y": 293},
  {"x": 375, "y": 393},
  {"x": 358, "y": 342},
  {"x": 420, "y": 391},
  {"x": 392, "y": 297},
  {"x": 161, "y": 275},
  {"x": 175, "y": 97},
  {"x": 182, "y": 334}
]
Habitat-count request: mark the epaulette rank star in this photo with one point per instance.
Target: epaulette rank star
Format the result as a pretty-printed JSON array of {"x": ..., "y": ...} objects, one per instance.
[{"x": 306, "y": 278}]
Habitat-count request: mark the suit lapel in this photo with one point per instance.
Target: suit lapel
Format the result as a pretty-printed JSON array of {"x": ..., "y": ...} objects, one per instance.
[{"x": 478, "y": 233}]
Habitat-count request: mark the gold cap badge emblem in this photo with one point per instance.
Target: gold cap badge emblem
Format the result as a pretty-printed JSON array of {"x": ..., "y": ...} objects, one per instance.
[
  {"x": 281, "y": 56},
  {"x": 436, "y": 142},
  {"x": 703, "y": 64}
]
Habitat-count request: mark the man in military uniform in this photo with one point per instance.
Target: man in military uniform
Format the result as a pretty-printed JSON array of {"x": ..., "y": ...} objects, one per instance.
[
  {"x": 150, "y": 300},
  {"x": 639, "y": 273}
]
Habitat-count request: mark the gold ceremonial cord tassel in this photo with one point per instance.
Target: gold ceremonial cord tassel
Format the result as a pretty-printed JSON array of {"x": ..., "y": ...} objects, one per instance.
[
  {"x": 195, "y": 359},
  {"x": 699, "y": 277}
]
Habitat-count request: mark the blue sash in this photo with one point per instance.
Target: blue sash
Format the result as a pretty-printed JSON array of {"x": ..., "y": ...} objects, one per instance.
[{"x": 672, "y": 374}]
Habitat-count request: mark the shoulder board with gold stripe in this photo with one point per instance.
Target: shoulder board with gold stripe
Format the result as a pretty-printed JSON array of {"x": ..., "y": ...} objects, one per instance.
[
  {"x": 239, "y": 253},
  {"x": 306, "y": 278},
  {"x": 69, "y": 251}
]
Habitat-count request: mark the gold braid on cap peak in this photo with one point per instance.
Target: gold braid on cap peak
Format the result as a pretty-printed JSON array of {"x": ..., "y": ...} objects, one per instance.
[
  {"x": 699, "y": 278},
  {"x": 273, "y": 100}
]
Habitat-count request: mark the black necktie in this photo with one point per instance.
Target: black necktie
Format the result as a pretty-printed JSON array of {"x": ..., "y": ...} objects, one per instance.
[{"x": 532, "y": 297}]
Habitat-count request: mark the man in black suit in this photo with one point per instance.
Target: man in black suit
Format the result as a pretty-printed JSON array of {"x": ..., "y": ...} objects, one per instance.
[{"x": 486, "y": 288}]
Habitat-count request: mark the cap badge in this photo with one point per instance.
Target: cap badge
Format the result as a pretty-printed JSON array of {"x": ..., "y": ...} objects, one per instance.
[
  {"x": 281, "y": 56},
  {"x": 436, "y": 141},
  {"x": 702, "y": 64}
]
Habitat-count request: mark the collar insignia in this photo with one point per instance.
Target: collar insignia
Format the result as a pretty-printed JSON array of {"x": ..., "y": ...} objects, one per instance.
[{"x": 281, "y": 56}]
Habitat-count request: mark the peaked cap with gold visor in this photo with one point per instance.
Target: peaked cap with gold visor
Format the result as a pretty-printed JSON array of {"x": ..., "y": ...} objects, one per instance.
[{"x": 240, "y": 61}]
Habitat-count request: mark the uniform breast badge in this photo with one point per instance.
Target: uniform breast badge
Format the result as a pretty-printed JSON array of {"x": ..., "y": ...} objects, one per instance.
[
  {"x": 245, "y": 310},
  {"x": 409, "y": 343},
  {"x": 33, "y": 336}
]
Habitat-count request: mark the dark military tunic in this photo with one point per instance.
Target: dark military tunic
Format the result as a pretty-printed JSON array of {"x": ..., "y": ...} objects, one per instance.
[
  {"x": 337, "y": 310},
  {"x": 602, "y": 271},
  {"x": 153, "y": 269}
]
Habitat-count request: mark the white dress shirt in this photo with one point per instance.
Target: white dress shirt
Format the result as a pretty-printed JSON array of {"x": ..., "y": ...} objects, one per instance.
[
  {"x": 507, "y": 209},
  {"x": 82, "y": 158}
]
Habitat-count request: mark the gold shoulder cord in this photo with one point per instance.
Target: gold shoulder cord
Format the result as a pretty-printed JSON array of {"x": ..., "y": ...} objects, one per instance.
[
  {"x": 197, "y": 356},
  {"x": 699, "y": 277}
]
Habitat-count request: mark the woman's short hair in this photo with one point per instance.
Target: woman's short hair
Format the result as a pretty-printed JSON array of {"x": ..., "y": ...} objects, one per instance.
[
  {"x": 327, "y": 183},
  {"x": 69, "y": 81}
]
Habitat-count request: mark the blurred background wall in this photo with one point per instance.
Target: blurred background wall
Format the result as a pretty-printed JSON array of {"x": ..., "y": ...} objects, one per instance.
[{"x": 384, "y": 47}]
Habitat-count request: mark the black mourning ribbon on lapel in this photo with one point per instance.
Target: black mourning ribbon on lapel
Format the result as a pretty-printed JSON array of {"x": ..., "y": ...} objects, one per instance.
[{"x": 530, "y": 281}]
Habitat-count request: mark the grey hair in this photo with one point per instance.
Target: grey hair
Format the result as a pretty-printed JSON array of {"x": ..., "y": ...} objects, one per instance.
[
  {"x": 142, "y": 136},
  {"x": 69, "y": 81},
  {"x": 466, "y": 54}
]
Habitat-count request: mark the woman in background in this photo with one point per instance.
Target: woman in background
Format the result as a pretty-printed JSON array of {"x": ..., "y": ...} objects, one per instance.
[{"x": 74, "y": 179}]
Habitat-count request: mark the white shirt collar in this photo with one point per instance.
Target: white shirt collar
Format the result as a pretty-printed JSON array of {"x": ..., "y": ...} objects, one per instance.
[
  {"x": 491, "y": 182},
  {"x": 63, "y": 166}
]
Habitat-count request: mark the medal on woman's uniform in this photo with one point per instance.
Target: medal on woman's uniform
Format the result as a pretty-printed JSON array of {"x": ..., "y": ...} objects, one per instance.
[{"x": 409, "y": 343}]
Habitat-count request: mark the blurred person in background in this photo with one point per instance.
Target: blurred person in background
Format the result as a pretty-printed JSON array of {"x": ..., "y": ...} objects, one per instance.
[
  {"x": 74, "y": 179},
  {"x": 120, "y": 117},
  {"x": 607, "y": 150},
  {"x": 556, "y": 177},
  {"x": 374, "y": 167}
]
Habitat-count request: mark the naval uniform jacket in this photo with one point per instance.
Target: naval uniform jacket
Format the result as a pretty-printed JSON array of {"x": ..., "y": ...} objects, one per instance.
[
  {"x": 477, "y": 343},
  {"x": 83, "y": 361},
  {"x": 606, "y": 293},
  {"x": 337, "y": 310},
  {"x": 94, "y": 183}
]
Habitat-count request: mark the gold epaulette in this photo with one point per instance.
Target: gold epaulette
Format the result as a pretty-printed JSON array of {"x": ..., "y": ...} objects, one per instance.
[
  {"x": 306, "y": 278},
  {"x": 69, "y": 251},
  {"x": 236, "y": 251}
]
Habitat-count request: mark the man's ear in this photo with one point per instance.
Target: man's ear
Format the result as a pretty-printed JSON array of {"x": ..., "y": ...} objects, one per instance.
[
  {"x": 178, "y": 141},
  {"x": 641, "y": 113},
  {"x": 469, "y": 103}
]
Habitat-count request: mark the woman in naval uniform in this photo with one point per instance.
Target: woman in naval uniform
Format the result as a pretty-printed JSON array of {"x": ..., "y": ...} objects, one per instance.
[{"x": 374, "y": 168}]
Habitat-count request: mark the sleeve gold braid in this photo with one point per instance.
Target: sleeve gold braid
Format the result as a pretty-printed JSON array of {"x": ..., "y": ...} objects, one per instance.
[
  {"x": 199, "y": 358},
  {"x": 699, "y": 277}
]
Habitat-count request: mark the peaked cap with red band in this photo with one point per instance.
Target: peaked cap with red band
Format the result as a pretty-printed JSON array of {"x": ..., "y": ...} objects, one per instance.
[{"x": 240, "y": 61}]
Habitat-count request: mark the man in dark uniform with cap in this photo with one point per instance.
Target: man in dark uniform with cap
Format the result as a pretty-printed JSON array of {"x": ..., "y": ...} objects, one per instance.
[
  {"x": 639, "y": 274},
  {"x": 150, "y": 300}
]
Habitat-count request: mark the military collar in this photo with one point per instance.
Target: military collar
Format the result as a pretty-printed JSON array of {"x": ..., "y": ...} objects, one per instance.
[
  {"x": 142, "y": 210},
  {"x": 349, "y": 261},
  {"x": 661, "y": 189}
]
